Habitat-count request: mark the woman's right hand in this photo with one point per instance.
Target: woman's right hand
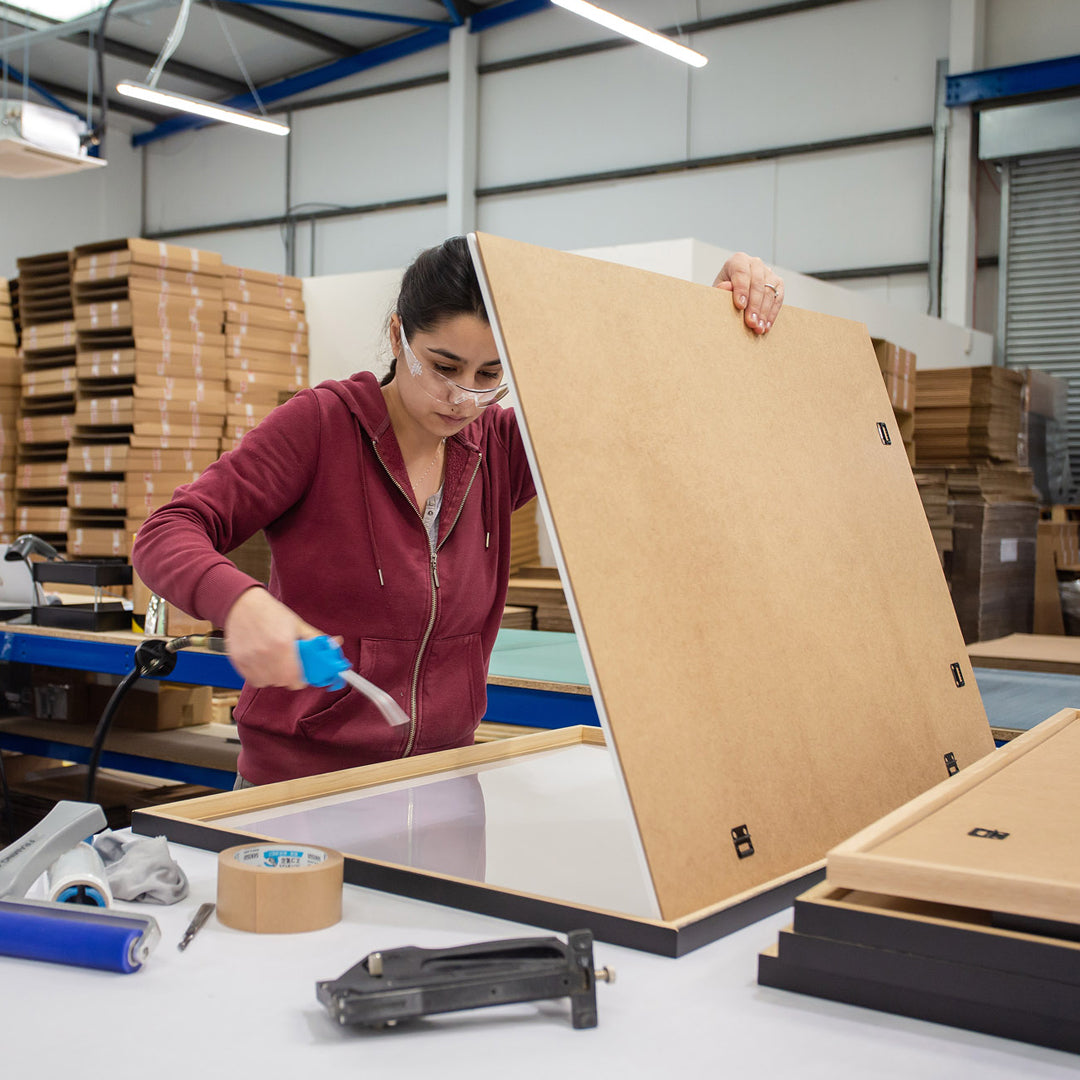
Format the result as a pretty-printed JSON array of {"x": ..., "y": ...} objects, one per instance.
[{"x": 261, "y": 635}]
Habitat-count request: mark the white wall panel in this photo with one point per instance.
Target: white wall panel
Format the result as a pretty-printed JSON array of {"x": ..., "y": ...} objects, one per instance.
[
  {"x": 57, "y": 213},
  {"x": 852, "y": 208},
  {"x": 432, "y": 61},
  {"x": 1025, "y": 31},
  {"x": 908, "y": 291},
  {"x": 590, "y": 114},
  {"x": 852, "y": 69},
  {"x": 255, "y": 249},
  {"x": 371, "y": 242},
  {"x": 732, "y": 207},
  {"x": 220, "y": 174},
  {"x": 371, "y": 150}
]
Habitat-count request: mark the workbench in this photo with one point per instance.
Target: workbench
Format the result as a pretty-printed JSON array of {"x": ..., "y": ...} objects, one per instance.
[
  {"x": 536, "y": 680},
  {"x": 236, "y": 1004}
]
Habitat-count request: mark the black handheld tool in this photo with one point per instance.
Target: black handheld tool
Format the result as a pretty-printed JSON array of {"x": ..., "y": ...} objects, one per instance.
[{"x": 403, "y": 984}]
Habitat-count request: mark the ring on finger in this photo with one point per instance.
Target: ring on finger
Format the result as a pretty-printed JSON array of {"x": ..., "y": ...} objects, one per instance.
[{"x": 775, "y": 289}]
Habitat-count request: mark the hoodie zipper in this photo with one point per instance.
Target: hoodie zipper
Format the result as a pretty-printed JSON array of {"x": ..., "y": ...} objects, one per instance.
[{"x": 413, "y": 705}]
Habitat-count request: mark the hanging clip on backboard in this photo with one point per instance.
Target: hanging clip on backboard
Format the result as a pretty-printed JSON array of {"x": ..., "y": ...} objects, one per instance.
[{"x": 404, "y": 984}]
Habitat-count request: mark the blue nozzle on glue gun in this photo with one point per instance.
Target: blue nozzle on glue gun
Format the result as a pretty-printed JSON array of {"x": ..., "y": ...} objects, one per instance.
[{"x": 324, "y": 664}]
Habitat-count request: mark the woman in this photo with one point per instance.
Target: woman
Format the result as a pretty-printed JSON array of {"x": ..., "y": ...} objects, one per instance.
[{"x": 387, "y": 511}]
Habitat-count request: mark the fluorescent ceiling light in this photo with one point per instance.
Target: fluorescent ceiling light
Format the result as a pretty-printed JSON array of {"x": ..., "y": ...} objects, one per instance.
[
  {"x": 199, "y": 107},
  {"x": 632, "y": 30},
  {"x": 60, "y": 10}
]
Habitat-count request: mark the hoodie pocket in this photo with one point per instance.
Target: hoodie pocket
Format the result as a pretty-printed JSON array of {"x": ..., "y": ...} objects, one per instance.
[{"x": 453, "y": 693}]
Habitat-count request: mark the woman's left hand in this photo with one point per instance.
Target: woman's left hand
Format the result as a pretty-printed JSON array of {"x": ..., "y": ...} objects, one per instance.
[{"x": 756, "y": 290}]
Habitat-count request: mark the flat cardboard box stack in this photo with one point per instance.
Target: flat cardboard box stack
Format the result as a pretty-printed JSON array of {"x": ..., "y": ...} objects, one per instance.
[
  {"x": 47, "y": 407},
  {"x": 540, "y": 588},
  {"x": 524, "y": 538},
  {"x": 992, "y": 576},
  {"x": 933, "y": 485},
  {"x": 10, "y": 372},
  {"x": 266, "y": 346},
  {"x": 898, "y": 370},
  {"x": 151, "y": 384},
  {"x": 968, "y": 415}
]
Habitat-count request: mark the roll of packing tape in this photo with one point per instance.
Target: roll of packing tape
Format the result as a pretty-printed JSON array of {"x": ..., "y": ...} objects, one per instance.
[
  {"x": 279, "y": 888},
  {"x": 78, "y": 877}
]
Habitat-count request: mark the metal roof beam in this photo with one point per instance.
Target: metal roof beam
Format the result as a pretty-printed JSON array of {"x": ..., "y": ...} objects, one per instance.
[
  {"x": 294, "y": 31},
  {"x": 348, "y": 13},
  {"x": 175, "y": 67}
]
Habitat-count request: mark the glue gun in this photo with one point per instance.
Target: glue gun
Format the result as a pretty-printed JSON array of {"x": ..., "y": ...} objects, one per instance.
[
  {"x": 324, "y": 664},
  {"x": 67, "y": 932}
]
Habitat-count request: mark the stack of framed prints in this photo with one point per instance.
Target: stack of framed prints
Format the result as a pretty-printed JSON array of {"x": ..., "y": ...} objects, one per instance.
[
  {"x": 962, "y": 907},
  {"x": 767, "y": 632}
]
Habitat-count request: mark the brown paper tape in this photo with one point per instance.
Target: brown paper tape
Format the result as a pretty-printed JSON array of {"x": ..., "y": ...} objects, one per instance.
[{"x": 279, "y": 888}]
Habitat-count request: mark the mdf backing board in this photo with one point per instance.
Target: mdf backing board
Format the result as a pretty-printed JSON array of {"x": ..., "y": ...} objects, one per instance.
[
  {"x": 761, "y": 609},
  {"x": 1054, "y": 653},
  {"x": 999, "y": 837}
]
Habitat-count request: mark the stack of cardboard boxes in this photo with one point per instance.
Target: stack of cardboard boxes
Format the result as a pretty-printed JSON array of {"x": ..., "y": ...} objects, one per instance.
[
  {"x": 968, "y": 421},
  {"x": 898, "y": 370},
  {"x": 10, "y": 374},
  {"x": 151, "y": 385},
  {"x": 47, "y": 406},
  {"x": 968, "y": 415},
  {"x": 266, "y": 346},
  {"x": 933, "y": 487}
]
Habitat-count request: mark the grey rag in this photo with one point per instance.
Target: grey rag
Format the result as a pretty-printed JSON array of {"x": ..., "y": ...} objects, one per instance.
[{"x": 140, "y": 868}]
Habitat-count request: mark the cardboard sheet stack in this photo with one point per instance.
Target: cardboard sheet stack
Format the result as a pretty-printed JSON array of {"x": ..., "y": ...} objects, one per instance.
[
  {"x": 10, "y": 373},
  {"x": 47, "y": 404},
  {"x": 968, "y": 414},
  {"x": 898, "y": 370},
  {"x": 540, "y": 588},
  {"x": 524, "y": 538},
  {"x": 933, "y": 487},
  {"x": 266, "y": 346},
  {"x": 151, "y": 384},
  {"x": 992, "y": 575}
]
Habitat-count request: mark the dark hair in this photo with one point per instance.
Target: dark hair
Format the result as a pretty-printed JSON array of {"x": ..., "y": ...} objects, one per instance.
[{"x": 440, "y": 284}]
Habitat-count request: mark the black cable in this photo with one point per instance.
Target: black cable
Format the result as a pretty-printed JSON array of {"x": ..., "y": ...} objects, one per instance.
[
  {"x": 103, "y": 726},
  {"x": 96, "y": 136},
  {"x": 153, "y": 659}
]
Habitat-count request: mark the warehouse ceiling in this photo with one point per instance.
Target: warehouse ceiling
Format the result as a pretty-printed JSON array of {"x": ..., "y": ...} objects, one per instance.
[{"x": 288, "y": 48}]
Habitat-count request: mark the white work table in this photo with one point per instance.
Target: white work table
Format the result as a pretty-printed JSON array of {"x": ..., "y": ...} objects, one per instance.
[{"x": 237, "y": 1004}]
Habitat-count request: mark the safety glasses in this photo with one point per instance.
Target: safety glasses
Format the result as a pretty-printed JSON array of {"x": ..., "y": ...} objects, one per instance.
[{"x": 442, "y": 389}]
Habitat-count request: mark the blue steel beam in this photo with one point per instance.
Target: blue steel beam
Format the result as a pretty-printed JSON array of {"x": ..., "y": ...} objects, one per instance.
[
  {"x": 207, "y": 668},
  {"x": 18, "y": 76},
  {"x": 349, "y": 13},
  {"x": 453, "y": 12},
  {"x": 514, "y": 9},
  {"x": 1041, "y": 77},
  {"x": 438, "y": 34},
  {"x": 110, "y": 759}
]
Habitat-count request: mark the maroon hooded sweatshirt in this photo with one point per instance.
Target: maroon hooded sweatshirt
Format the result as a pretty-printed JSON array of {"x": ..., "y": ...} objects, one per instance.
[{"x": 324, "y": 477}]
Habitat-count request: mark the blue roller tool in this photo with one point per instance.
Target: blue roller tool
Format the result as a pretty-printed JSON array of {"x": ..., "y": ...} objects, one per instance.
[{"x": 65, "y": 933}]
